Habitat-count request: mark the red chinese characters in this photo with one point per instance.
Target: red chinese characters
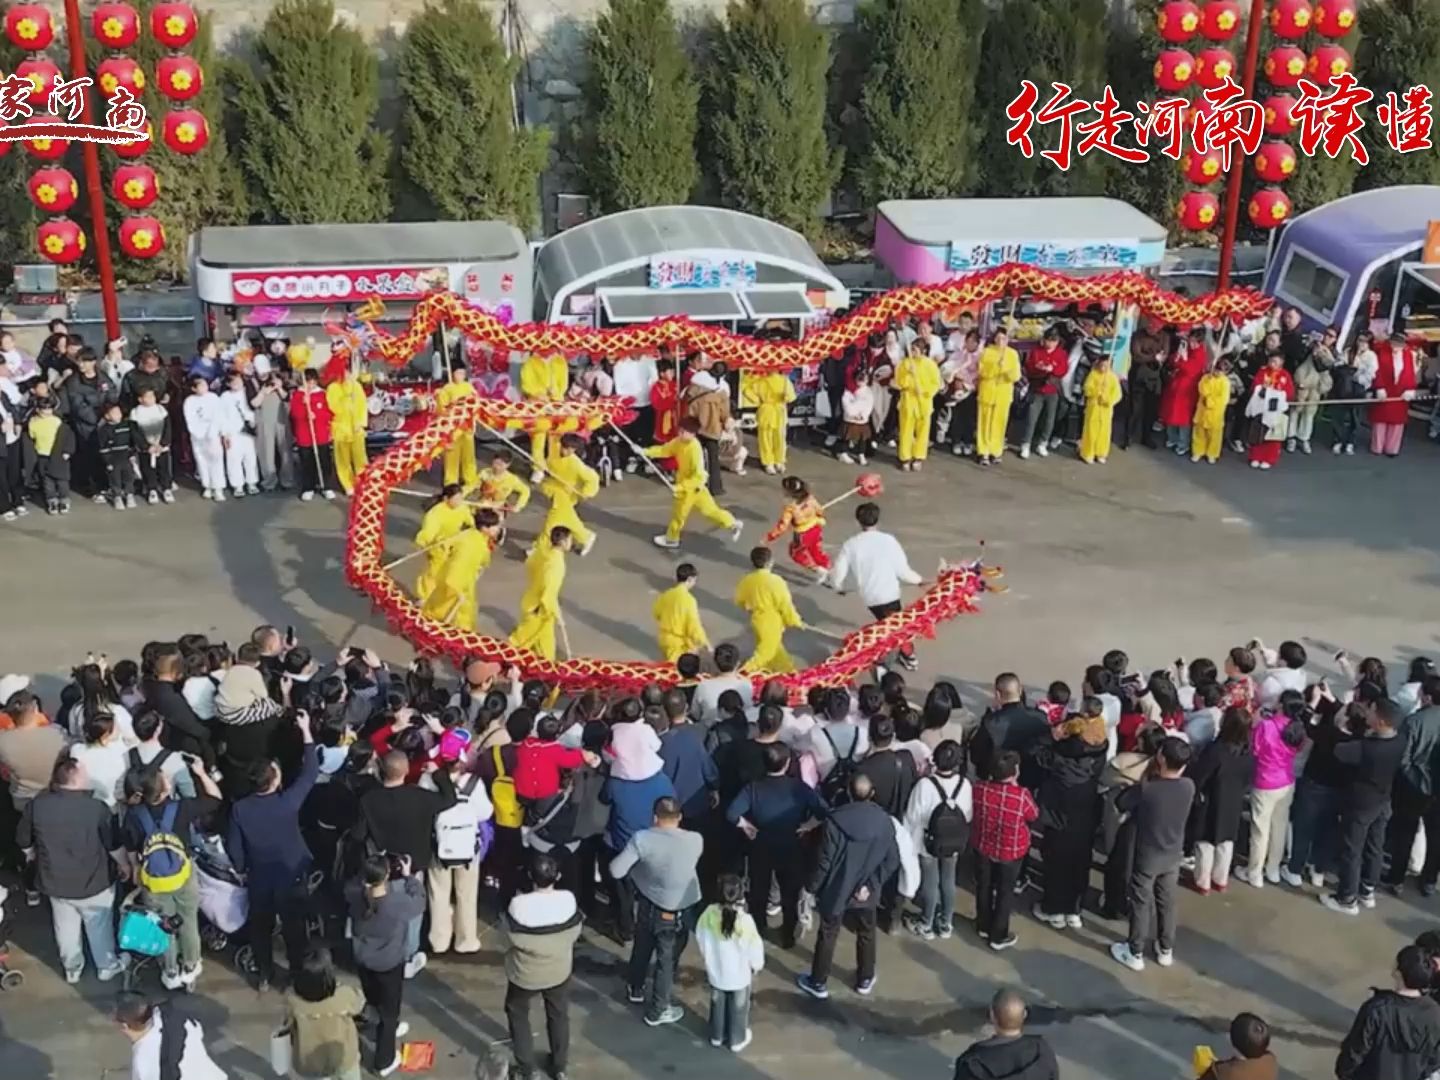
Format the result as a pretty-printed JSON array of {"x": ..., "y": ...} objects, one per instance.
[
  {"x": 1237, "y": 122},
  {"x": 1330, "y": 119},
  {"x": 1408, "y": 120}
]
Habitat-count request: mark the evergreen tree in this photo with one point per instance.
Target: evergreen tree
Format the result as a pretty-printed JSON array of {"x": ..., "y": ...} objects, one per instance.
[
  {"x": 1400, "y": 49},
  {"x": 918, "y": 100},
  {"x": 460, "y": 147},
  {"x": 305, "y": 111},
  {"x": 641, "y": 104},
  {"x": 18, "y": 215},
  {"x": 765, "y": 113}
]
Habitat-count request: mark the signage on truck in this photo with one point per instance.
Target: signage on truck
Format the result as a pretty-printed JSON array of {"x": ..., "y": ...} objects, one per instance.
[{"x": 341, "y": 284}]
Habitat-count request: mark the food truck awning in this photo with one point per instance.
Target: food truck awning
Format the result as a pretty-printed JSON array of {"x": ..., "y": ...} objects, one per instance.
[
  {"x": 676, "y": 251},
  {"x": 358, "y": 245},
  {"x": 641, "y": 305}
]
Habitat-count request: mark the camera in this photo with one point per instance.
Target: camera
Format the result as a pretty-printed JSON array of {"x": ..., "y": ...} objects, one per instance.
[{"x": 397, "y": 865}]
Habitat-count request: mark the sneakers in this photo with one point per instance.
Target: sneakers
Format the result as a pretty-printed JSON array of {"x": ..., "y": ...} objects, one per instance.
[
  {"x": 1253, "y": 878},
  {"x": 252, "y": 489},
  {"x": 416, "y": 964},
  {"x": 822, "y": 576},
  {"x": 1238, "y": 445},
  {"x": 171, "y": 980},
  {"x": 664, "y": 541},
  {"x": 64, "y": 506},
  {"x": 586, "y": 547},
  {"x": 392, "y": 1066},
  {"x": 306, "y": 496},
  {"x": 907, "y": 661},
  {"x": 919, "y": 929},
  {"x": 635, "y": 995},
  {"x": 1056, "y": 922},
  {"x": 746, "y": 1041},
  {"x": 239, "y": 493},
  {"x": 818, "y": 991},
  {"x": 1121, "y": 953},
  {"x": 1004, "y": 943},
  {"x": 1294, "y": 880},
  {"x": 1349, "y": 449},
  {"x": 73, "y": 977},
  {"x": 1337, "y": 449},
  {"x": 1024, "y": 453},
  {"x": 1367, "y": 901},
  {"x": 1043, "y": 450},
  {"x": 1290, "y": 446},
  {"x": 189, "y": 976},
  {"x": 114, "y": 971},
  {"x": 402, "y": 1029},
  {"x": 1165, "y": 957},
  {"x": 98, "y": 500},
  {"x": 537, "y": 475},
  {"x": 32, "y": 898},
  {"x": 944, "y": 931},
  {"x": 1305, "y": 446},
  {"x": 10, "y": 515},
  {"x": 328, "y": 495},
  {"x": 167, "y": 496},
  {"x": 860, "y": 459},
  {"x": 130, "y": 502},
  {"x": 735, "y": 531},
  {"x": 1272, "y": 876},
  {"x": 153, "y": 498},
  {"x": 671, "y": 1015},
  {"x": 219, "y": 495},
  {"x": 844, "y": 457},
  {"x": 1332, "y": 904},
  {"x": 865, "y": 987},
  {"x": 1074, "y": 922},
  {"x": 1317, "y": 879}
]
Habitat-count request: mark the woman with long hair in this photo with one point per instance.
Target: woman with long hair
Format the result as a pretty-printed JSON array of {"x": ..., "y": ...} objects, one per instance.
[
  {"x": 1222, "y": 778},
  {"x": 320, "y": 1014},
  {"x": 98, "y": 696},
  {"x": 1279, "y": 736},
  {"x": 382, "y": 902},
  {"x": 733, "y": 952},
  {"x": 1070, "y": 810}
]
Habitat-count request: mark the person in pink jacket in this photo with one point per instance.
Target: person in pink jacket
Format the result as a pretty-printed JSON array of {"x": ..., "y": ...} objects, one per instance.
[{"x": 1279, "y": 735}]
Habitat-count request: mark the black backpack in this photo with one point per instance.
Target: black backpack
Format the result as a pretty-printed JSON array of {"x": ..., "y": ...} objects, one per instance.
[
  {"x": 947, "y": 832},
  {"x": 835, "y": 788}
]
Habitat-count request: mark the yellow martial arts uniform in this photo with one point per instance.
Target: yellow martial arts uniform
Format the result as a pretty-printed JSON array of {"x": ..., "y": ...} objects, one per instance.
[
  {"x": 540, "y": 605},
  {"x": 1102, "y": 394},
  {"x": 771, "y": 395},
  {"x": 690, "y": 490},
  {"x": 677, "y": 617},
  {"x": 460, "y": 454},
  {"x": 469, "y": 556},
  {"x": 567, "y": 481},
  {"x": 440, "y": 522},
  {"x": 999, "y": 372},
  {"x": 766, "y": 597},
  {"x": 502, "y": 487},
  {"x": 347, "y": 429},
  {"x": 544, "y": 378},
  {"x": 918, "y": 380},
  {"x": 1208, "y": 433}
]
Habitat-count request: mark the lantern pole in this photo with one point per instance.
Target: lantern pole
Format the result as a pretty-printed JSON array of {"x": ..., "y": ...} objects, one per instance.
[
  {"x": 75, "y": 31},
  {"x": 1237, "y": 166}
]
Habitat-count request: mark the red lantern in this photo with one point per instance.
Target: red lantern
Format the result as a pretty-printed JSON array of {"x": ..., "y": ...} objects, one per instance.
[
  {"x": 131, "y": 150},
  {"x": 53, "y": 190},
  {"x": 116, "y": 26},
  {"x": 1326, "y": 62},
  {"x": 179, "y": 78},
  {"x": 1279, "y": 114},
  {"x": 46, "y": 148},
  {"x": 142, "y": 237},
  {"x": 1174, "y": 68},
  {"x": 1284, "y": 65},
  {"x": 1177, "y": 21},
  {"x": 134, "y": 186},
  {"x": 1269, "y": 207},
  {"x": 28, "y": 27},
  {"x": 60, "y": 240},
  {"x": 1213, "y": 67},
  {"x": 1219, "y": 19},
  {"x": 1274, "y": 162},
  {"x": 1196, "y": 112},
  {"x": 173, "y": 25},
  {"x": 1290, "y": 19},
  {"x": 1335, "y": 18},
  {"x": 186, "y": 131},
  {"x": 1198, "y": 211},
  {"x": 43, "y": 76},
  {"x": 120, "y": 71},
  {"x": 1201, "y": 168}
]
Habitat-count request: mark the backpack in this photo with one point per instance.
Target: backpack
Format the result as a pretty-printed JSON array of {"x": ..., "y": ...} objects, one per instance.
[
  {"x": 135, "y": 761},
  {"x": 835, "y": 788},
  {"x": 509, "y": 814},
  {"x": 457, "y": 833},
  {"x": 947, "y": 832},
  {"x": 164, "y": 857}
]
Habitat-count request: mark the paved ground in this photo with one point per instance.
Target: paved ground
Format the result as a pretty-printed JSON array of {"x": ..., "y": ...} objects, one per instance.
[{"x": 1149, "y": 553}]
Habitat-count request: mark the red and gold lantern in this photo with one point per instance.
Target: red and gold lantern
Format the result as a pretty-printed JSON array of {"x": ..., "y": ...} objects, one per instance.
[
  {"x": 53, "y": 190},
  {"x": 179, "y": 78},
  {"x": 1335, "y": 18},
  {"x": 1177, "y": 21},
  {"x": 186, "y": 131},
  {"x": 142, "y": 237},
  {"x": 173, "y": 25},
  {"x": 1284, "y": 66},
  {"x": 138, "y": 148},
  {"x": 1326, "y": 62},
  {"x": 60, "y": 240},
  {"x": 28, "y": 27},
  {"x": 1213, "y": 66},
  {"x": 120, "y": 71},
  {"x": 116, "y": 26},
  {"x": 1280, "y": 115},
  {"x": 43, "y": 76},
  {"x": 46, "y": 148},
  {"x": 1274, "y": 162},
  {"x": 1219, "y": 19},
  {"x": 1290, "y": 19},
  {"x": 1269, "y": 207},
  {"x": 1174, "y": 68},
  {"x": 1198, "y": 211},
  {"x": 134, "y": 186},
  {"x": 1201, "y": 168}
]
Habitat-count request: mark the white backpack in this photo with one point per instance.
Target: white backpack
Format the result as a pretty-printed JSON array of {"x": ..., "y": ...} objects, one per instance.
[{"x": 457, "y": 830}]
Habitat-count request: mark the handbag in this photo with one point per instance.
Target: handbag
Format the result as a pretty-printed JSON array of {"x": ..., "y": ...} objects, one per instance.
[
  {"x": 143, "y": 933},
  {"x": 282, "y": 1054}
]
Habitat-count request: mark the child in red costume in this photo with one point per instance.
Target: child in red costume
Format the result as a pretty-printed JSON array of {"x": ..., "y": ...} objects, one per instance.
[
  {"x": 1265, "y": 411},
  {"x": 804, "y": 517},
  {"x": 1396, "y": 378},
  {"x": 665, "y": 400}
]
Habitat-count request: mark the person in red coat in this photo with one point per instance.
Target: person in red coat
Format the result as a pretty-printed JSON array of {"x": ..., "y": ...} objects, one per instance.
[
  {"x": 1045, "y": 367},
  {"x": 1177, "y": 401},
  {"x": 310, "y": 420},
  {"x": 1395, "y": 381},
  {"x": 665, "y": 402}
]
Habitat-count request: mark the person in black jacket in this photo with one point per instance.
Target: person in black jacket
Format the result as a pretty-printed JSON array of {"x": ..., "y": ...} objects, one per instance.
[
  {"x": 118, "y": 441},
  {"x": 1009, "y": 724},
  {"x": 1397, "y": 1032},
  {"x": 1009, "y": 1053},
  {"x": 892, "y": 772},
  {"x": 87, "y": 391},
  {"x": 1072, "y": 757},
  {"x": 184, "y": 732},
  {"x": 1222, "y": 778},
  {"x": 1315, "y": 818}
]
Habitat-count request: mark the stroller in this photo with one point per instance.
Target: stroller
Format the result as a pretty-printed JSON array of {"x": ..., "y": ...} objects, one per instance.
[
  {"x": 144, "y": 938},
  {"x": 224, "y": 904},
  {"x": 10, "y": 979}
]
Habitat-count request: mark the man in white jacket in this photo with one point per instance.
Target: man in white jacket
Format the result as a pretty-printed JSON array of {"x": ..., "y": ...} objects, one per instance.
[
  {"x": 202, "y": 421},
  {"x": 237, "y": 434},
  {"x": 880, "y": 566}
]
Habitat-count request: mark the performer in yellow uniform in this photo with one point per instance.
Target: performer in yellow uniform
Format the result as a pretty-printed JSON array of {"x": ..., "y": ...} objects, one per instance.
[
  {"x": 501, "y": 487},
  {"x": 454, "y": 596},
  {"x": 771, "y": 395},
  {"x": 1208, "y": 431},
  {"x": 918, "y": 380},
  {"x": 690, "y": 490},
  {"x": 677, "y": 616},
  {"x": 999, "y": 371},
  {"x": 460, "y": 454},
  {"x": 347, "y": 428},
  {"x": 1102, "y": 394},
  {"x": 540, "y": 605},
  {"x": 764, "y": 595},
  {"x": 566, "y": 481},
  {"x": 544, "y": 378},
  {"x": 443, "y": 520}
]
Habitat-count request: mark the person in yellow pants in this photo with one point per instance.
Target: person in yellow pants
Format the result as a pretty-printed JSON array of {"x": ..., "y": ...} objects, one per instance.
[
  {"x": 1102, "y": 394},
  {"x": 567, "y": 481},
  {"x": 543, "y": 378},
  {"x": 677, "y": 616},
  {"x": 459, "y": 461},
  {"x": 771, "y": 395},
  {"x": 469, "y": 554},
  {"x": 1208, "y": 431},
  {"x": 442, "y": 521},
  {"x": 540, "y": 605},
  {"x": 691, "y": 492},
  {"x": 999, "y": 371},
  {"x": 765, "y": 597},
  {"x": 347, "y": 428},
  {"x": 918, "y": 381}
]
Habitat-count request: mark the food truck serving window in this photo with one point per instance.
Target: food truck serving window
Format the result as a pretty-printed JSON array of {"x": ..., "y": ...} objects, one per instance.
[{"x": 1311, "y": 285}]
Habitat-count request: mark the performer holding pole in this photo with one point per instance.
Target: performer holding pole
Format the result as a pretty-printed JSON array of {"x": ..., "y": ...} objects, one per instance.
[
  {"x": 540, "y": 604},
  {"x": 566, "y": 481},
  {"x": 764, "y": 596},
  {"x": 690, "y": 487},
  {"x": 443, "y": 520},
  {"x": 543, "y": 378},
  {"x": 677, "y": 616},
  {"x": 310, "y": 420},
  {"x": 805, "y": 517},
  {"x": 459, "y": 460},
  {"x": 500, "y": 486},
  {"x": 880, "y": 566},
  {"x": 469, "y": 554}
]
